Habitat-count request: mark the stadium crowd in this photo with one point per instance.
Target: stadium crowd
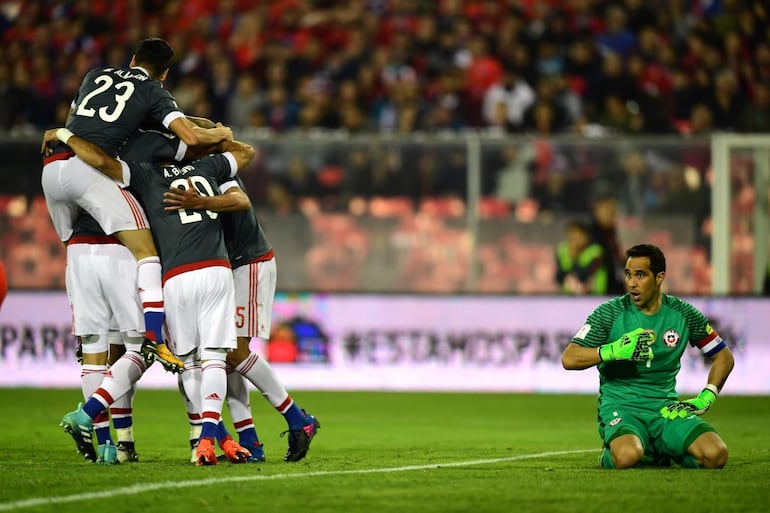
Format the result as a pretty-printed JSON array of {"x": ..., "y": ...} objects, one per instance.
[
  {"x": 535, "y": 68},
  {"x": 401, "y": 66}
]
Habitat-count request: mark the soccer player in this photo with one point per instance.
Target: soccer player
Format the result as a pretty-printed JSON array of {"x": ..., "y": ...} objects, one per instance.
[
  {"x": 254, "y": 272},
  {"x": 637, "y": 341},
  {"x": 106, "y": 313},
  {"x": 101, "y": 287},
  {"x": 110, "y": 105},
  {"x": 197, "y": 276}
]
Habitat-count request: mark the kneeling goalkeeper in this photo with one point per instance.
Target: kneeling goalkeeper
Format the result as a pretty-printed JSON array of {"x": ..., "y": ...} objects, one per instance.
[{"x": 637, "y": 341}]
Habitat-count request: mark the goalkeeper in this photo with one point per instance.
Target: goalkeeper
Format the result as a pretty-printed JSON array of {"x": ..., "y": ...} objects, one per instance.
[{"x": 637, "y": 341}]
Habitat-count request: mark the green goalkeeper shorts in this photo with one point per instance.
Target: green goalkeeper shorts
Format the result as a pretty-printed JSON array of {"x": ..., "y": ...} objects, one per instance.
[{"x": 659, "y": 436}]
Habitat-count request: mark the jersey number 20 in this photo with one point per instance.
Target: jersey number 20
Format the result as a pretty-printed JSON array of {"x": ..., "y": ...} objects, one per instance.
[{"x": 203, "y": 187}]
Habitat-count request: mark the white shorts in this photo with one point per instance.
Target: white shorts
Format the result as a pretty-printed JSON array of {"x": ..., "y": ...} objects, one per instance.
[
  {"x": 254, "y": 294},
  {"x": 199, "y": 307},
  {"x": 101, "y": 287},
  {"x": 71, "y": 184}
]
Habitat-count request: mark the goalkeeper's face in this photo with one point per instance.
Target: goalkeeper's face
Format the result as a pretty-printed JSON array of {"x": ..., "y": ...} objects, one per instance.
[{"x": 642, "y": 285}]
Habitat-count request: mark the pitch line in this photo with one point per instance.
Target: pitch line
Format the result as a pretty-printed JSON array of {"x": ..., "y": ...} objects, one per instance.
[{"x": 148, "y": 487}]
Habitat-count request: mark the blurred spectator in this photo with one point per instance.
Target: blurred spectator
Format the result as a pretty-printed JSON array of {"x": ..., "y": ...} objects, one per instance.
[
  {"x": 755, "y": 116},
  {"x": 579, "y": 263},
  {"x": 482, "y": 72},
  {"x": 604, "y": 232},
  {"x": 636, "y": 195},
  {"x": 616, "y": 37},
  {"x": 548, "y": 115},
  {"x": 513, "y": 180},
  {"x": 244, "y": 102},
  {"x": 727, "y": 102},
  {"x": 514, "y": 95},
  {"x": 612, "y": 81}
]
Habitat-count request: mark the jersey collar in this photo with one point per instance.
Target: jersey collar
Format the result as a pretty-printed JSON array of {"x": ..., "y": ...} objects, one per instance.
[{"x": 141, "y": 69}]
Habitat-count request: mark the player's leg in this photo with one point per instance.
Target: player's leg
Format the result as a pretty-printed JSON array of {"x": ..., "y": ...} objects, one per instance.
[
  {"x": 240, "y": 411},
  {"x": 217, "y": 338},
  {"x": 91, "y": 319},
  {"x": 127, "y": 326},
  {"x": 121, "y": 378},
  {"x": 189, "y": 384},
  {"x": 254, "y": 291},
  {"x": 56, "y": 180},
  {"x": 709, "y": 450},
  {"x": 213, "y": 392},
  {"x": 200, "y": 305},
  {"x": 625, "y": 438},
  {"x": 626, "y": 451},
  {"x": 693, "y": 443},
  {"x": 182, "y": 324},
  {"x": 92, "y": 371},
  {"x": 122, "y": 410}
]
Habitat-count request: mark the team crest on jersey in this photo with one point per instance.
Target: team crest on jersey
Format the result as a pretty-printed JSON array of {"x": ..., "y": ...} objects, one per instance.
[
  {"x": 616, "y": 421},
  {"x": 671, "y": 338}
]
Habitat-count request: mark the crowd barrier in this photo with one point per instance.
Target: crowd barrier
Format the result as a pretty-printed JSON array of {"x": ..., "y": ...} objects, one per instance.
[{"x": 401, "y": 342}]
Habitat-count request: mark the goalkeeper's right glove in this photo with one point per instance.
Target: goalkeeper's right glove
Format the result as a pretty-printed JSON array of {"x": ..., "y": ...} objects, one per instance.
[{"x": 634, "y": 346}]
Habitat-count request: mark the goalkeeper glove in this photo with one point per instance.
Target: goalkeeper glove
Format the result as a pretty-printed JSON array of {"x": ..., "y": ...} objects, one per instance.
[
  {"x": 634, "y": 346},
  {"x": 695, "y": 406}
]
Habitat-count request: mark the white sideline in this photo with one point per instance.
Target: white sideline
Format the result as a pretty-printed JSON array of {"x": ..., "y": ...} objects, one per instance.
[{"x": 147, "y": 487}]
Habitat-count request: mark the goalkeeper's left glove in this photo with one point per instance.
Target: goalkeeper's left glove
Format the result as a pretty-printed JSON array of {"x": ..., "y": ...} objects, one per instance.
[{"x": 695, "y": 406}]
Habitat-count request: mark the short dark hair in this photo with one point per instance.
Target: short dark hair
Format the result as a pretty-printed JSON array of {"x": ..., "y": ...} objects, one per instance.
[
  {"x": 154, "y": 54},
  {"x": 654, "y": 253},
  {"x": 579, "y": 224}
]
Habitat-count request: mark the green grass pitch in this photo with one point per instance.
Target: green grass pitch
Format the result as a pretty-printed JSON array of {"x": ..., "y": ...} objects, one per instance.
[{"x": 378, "y": 452}]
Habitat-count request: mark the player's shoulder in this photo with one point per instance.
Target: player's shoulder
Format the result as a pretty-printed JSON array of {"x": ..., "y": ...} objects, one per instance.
[
  {"x": 615, "y": 305},
  {"x": 212, "y": 160},
  {"x": 679, "y": 305}
]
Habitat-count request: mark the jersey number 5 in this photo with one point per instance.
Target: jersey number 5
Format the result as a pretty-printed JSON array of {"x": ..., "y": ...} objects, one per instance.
[
  {"x": 203, "y": 187},
  {"x": 123, "y": 91}
]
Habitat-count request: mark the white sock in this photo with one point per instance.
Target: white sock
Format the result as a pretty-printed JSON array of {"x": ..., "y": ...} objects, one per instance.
[
  {"x": 122, "y": 377},
  {"x": 259, "y": 372},
  {"x": 238, "y": 401},
  {"x": 213, "y": 390},
  {"x": 91, "y": 376}
]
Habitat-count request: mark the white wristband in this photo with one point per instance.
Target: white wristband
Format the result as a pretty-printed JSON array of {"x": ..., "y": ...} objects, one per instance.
[
  {"x": 713, "y": 388},
  {"x": 63, "y": 135}
]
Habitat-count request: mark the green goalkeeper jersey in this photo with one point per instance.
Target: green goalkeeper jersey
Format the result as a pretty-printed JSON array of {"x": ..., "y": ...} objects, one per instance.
[{"x": 676, "y": 324}]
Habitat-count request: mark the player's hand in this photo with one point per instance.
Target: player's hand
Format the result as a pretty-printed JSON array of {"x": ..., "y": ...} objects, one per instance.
[
  {"x": 227, "y": 132},
  {"x": 634, "y": 346},
  {"x": 48, "y": 137},
  {"x": 695, "y": 406},
  {"x": 179, "y": 198}
]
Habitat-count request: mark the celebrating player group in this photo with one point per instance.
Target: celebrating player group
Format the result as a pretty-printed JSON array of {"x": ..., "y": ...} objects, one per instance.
[{"x": 163, "y": 247}]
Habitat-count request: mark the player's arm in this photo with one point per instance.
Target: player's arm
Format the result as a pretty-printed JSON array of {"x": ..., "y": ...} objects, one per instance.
[
  {"x": 191, "y": 136},
  {"x": 632, "y": 346},
  {"x": 721, "y": 365},
  {"x": 232, "y": 200},
  {"x": 577, "y": 357},
  {"x": 243, "y": 153},
  {"x": 201, "y": 122},
  {"x": 88, "y": 152}
]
